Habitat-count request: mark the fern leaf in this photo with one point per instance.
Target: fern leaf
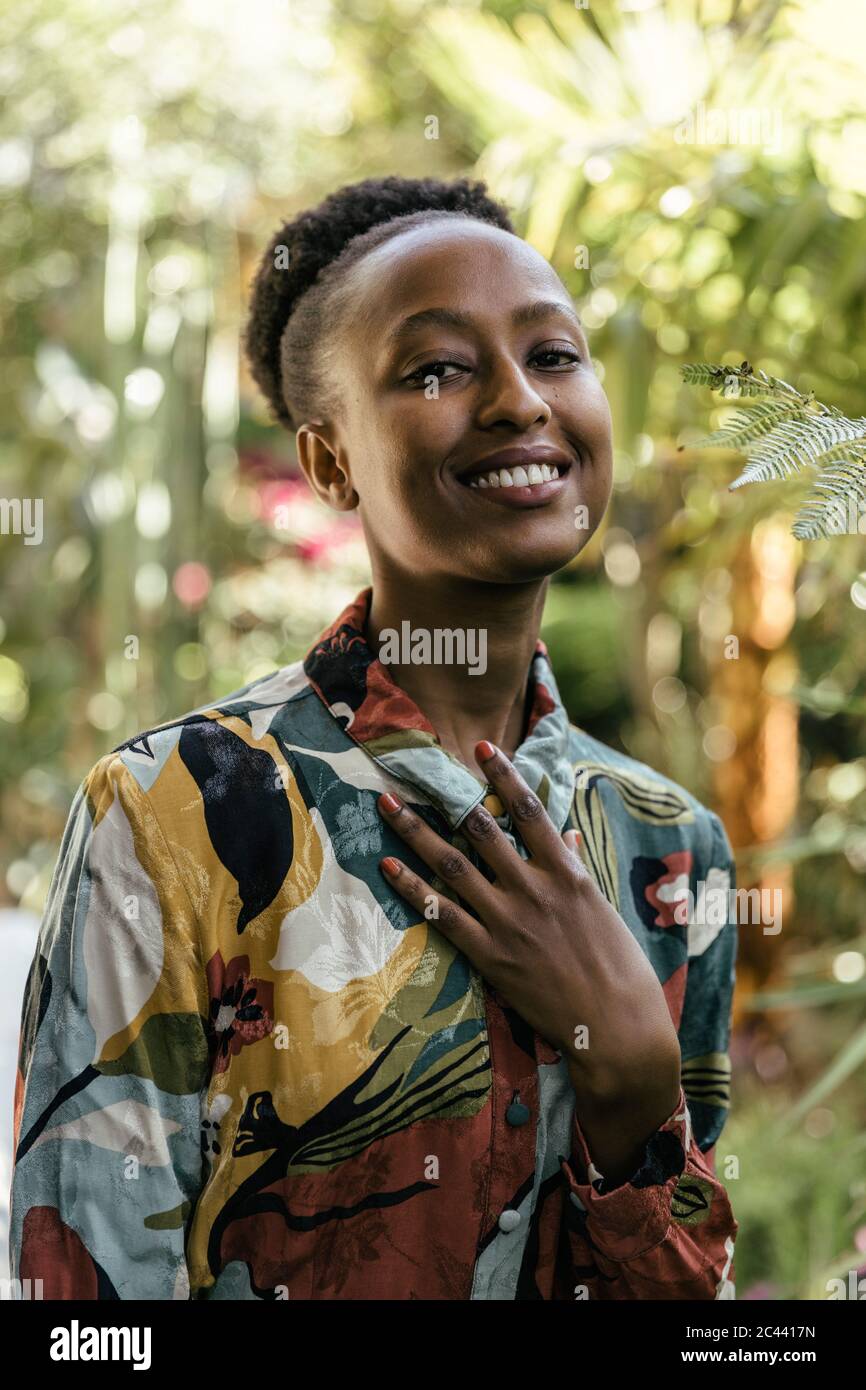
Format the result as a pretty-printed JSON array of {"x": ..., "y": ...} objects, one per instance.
[
  {"x": 740, "y": 381},
  {"x": 789, "y": 431},
  {"x": 838, "y": 504},
  {"x": 795, "y": 444},
  {"x": 747, "y": 426},
  {"x": 704, "y": 374}
]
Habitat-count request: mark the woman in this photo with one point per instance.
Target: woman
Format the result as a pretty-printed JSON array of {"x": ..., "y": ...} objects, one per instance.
[{"x": 406, "y": 947}]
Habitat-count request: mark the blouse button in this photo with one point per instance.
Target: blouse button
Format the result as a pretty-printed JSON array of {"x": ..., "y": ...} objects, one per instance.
[
  {"x": 509, "y": 1220},
  {"x": 517, "y": 1113}
]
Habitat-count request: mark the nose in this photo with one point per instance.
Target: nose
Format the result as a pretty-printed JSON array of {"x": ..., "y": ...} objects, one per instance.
[{"x": 508, "y": 396}]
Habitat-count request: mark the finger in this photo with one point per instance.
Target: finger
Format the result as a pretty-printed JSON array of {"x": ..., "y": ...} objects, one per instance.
[
  {"x": 572, "y": 840},
  {"x": 446, "y": 862},
  {"x": 469, "y": 936},
  {"x": 493, "y": 845},
  {"x": 536, "y": 829}
]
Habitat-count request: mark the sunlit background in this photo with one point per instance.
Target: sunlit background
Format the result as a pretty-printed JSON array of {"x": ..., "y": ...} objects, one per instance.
[{"x": 697, "y": 174}]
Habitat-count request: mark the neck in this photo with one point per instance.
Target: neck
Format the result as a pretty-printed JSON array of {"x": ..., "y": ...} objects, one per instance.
[{"x": 487, "y": 696}]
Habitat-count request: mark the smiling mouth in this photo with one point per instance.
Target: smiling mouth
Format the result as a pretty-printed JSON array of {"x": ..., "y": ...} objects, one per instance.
[
  {"x": 533, "y": 476},
  {"x": 521, "y": 485}
]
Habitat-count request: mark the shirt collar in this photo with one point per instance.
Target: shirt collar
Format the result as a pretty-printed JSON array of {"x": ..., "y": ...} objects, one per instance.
[{"x": 382, "y": 719}]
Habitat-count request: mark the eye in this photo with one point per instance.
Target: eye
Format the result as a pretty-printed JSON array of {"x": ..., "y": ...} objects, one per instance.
[
  {"x": 555, "y": 357},
  {"x": 420, "y": 374},
  {"x": 561, "y": 350}
]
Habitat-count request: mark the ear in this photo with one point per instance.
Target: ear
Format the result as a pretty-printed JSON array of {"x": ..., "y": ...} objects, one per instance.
[{"x": 325, "y": 466}]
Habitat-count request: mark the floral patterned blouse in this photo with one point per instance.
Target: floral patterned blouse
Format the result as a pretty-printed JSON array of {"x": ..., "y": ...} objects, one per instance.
[{"x": 248, "y": 1071}]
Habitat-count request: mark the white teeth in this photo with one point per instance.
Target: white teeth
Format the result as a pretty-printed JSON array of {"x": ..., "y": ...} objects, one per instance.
[{"x": 533, "y": 476}]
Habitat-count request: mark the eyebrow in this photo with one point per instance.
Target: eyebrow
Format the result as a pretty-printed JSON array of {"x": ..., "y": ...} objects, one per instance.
[{"x": 451, "y": 318}]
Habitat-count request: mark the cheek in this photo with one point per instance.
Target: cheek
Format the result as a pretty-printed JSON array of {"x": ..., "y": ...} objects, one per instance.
[
  {"x": 403, "y": 457},
  {"x": 394, "y": 476},
  {"x": 597, "y": 425},
  {"x": 424, "y": 430},
  {"x": 593, "y": 425}
]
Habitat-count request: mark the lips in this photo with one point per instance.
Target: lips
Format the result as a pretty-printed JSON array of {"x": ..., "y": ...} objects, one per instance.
[
  {"x": 518, "y": 456},
  {"x": 513, "y": 492}
]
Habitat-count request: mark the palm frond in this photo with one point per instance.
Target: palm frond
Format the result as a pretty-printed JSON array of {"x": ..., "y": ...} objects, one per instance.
[{"x": 788, "y": 431}]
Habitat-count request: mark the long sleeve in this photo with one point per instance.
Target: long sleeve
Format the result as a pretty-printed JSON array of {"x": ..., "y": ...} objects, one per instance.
[
  {"x": 668, "y": 1232},
  {"x": 113, "y": 1061}
]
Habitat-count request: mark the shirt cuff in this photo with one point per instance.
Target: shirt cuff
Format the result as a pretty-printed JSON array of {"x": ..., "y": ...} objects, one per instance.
[{"x": 628, "y": 1218}]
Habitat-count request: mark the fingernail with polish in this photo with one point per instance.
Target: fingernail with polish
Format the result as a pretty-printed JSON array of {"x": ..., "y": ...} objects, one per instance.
[
  {"x": 390, "y": 866},
  {"x": 485, "y": 750},
  {"x": 389, "y": 802}
]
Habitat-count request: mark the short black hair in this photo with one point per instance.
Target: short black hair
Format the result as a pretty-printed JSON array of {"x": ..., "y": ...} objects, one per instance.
[{"x": 295, "y": 291}]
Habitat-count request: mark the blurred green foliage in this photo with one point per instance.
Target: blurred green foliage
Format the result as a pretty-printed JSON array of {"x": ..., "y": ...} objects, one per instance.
[{"x": 797, "y": 1204}]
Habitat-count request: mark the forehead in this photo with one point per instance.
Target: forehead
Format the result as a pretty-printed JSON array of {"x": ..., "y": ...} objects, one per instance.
[{"x": 465, "y": 265}]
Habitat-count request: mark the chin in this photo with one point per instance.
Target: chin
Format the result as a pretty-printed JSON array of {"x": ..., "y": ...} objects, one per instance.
[{"x": 528, "y": 564}]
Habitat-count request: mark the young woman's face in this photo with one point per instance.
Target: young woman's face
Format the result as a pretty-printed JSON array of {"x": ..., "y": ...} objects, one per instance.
[{"x": 462, "y": 361}]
